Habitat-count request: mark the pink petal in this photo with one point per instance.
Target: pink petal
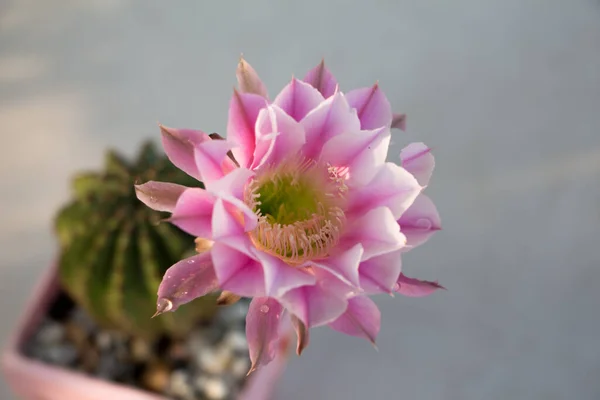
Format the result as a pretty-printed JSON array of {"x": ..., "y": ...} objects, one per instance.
[
  {"x": 193, "y": 212},
  {"x": 248, "y": 79},
  {"x": 212, "y": 160},
  {"x": 277, "y": 136},
  {"x": 344, "y": 265},
  {"x": 380, "y": 274},
  {"x": 321, "y": 79},
  {"x": 420, "y": 221},
  {"x": 281, "y": 277},
  {"x": 228, "y": 228},
  {"x": 179, "y": 145},
  {"x": 262, "y": 330},
  {"x": 392, "y": 187},
  {"x": 377, "y": 231},
  {"x": 237, "y": 272},
  {"x": 373, "y": 107},
  {"x": 415, "y": 288},
  {"x": 226, "y": 223},
  {"x": 231, "y": 189},
  {"x": 418, "y": 160},
  {"x": 187, "y": 280},
  {"x": 399, "y": 121},
  {"x": 329, "y": 119},
  {"x": 361, "y": 319},
  {"x": 302, "y": 332},
  {"x": 298, "y": 98},
  {"x": 159, "y": 196},
  {"x": 243, "y": 111},
  {"x": 362, "y": 152},
  {"x": 314, "y": 305}
]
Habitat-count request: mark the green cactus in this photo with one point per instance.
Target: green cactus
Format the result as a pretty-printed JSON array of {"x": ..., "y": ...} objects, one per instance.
[{"x": 115, "y": 250}]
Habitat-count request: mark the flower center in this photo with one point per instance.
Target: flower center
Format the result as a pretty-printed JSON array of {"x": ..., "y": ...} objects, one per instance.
[{"x": 300, "y": 210}]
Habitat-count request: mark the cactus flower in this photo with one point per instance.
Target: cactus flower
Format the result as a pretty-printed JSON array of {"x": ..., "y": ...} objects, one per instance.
[{"x": 300, "y": 210}]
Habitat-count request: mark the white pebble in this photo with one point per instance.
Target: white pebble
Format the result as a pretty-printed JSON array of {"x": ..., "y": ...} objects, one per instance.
[
  {"x": 51, "y": 333},
  {"x": 215, "y": 389},
  {"x": 214, "y": 360},
  {"x": 140, "y": 350},
  {"x": 104, "y": 340},
  {"x": 236, "y": 340},
  {"x": 240, "y": 367},
  {"x": 179, "y": 385}
]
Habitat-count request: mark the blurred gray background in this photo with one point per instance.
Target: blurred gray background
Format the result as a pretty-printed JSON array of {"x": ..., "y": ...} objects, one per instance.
[{"x": 506, "y": 91}]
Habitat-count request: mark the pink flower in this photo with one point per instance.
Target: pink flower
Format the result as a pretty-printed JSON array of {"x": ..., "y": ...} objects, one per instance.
[{"x": 300, "y": 211}]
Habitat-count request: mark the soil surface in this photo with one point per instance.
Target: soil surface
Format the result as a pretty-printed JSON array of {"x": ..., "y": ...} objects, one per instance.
[{"x": 211, "y": 363}]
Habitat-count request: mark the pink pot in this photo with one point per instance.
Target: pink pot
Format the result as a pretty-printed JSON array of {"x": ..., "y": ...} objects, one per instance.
[{"x": 33, "y": 380}]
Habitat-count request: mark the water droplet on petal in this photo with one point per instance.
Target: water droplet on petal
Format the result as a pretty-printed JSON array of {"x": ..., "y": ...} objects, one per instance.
[
  {"x": 191, "y": 261},
  {"x": 163, "y": 305},
  {"x": 264, "y": 308},
  {"x": 153, "y": 199},
  {"x": 396, "y": 287}
]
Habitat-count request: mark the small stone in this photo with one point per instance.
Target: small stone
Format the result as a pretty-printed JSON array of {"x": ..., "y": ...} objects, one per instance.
[
  {"x": 233, "y": 314},
  {"x": 236, "y": 340},
  {"x": 104, "y": 340},
  {"x": 202, "y": 338},
  {"x": 140, "y": 350},
  {"x": 214, "y": 360},
  {"x": 76, "y": 335},
  {"x": 108, "y": 366},
  {"x": 60, "y": 354},
  {"x": 215, "y": 389},
  {"x": 89, "y": 359},
  {"x": 50, "y": 333},
  {"x": 180, "y": 386},
  {"x": 121, "y": 349},
  {"x": 156, "y": 377},
  {"x": 84, "y": 321},
  {"x": 240, "y": 367}
]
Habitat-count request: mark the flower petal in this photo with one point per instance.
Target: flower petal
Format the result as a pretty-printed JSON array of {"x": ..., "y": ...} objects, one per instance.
[
  {"x": 314, "y": 305},
  {"x": 159, "y": 196},
  {"x": 262, "y": 330},
  {"x": 321, "y": 79},
  {"x": 228, "y": 227},
  {"x": 377, "y": 231},
  {"x": 298, "y": 98},
  {"x": 418, "y": 160},
  {"x": 243, "y": 111},
  {"x": 281, "y": 277},
  {"x": 415, "y": 288},
  {"x": 392, "y": 186},
  {"x": 380, "y": 274},
  {"x": 185, "y": 281},
  {"x": 373, "y": 107},
  {"x": 248, "y": 79},
  {"x": 420, "y": 221},
  {"x": 231, "y": 189},
  {"x": 179, "y": 145},
  {"x": 277, "y": 136},
  {"x": 302, "y": 332},
  {"x": 193, "y": 212},
  {"x": 361, "y": 319},
  {"x": 399, "y": 121},
  {"x": 212, "y": 160},
  {"x": 237, "y": 272},
  {"x": 363, "y": 153},
  {"x": 344, "y": 265},
  {"x": 329, "y": 119}
]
